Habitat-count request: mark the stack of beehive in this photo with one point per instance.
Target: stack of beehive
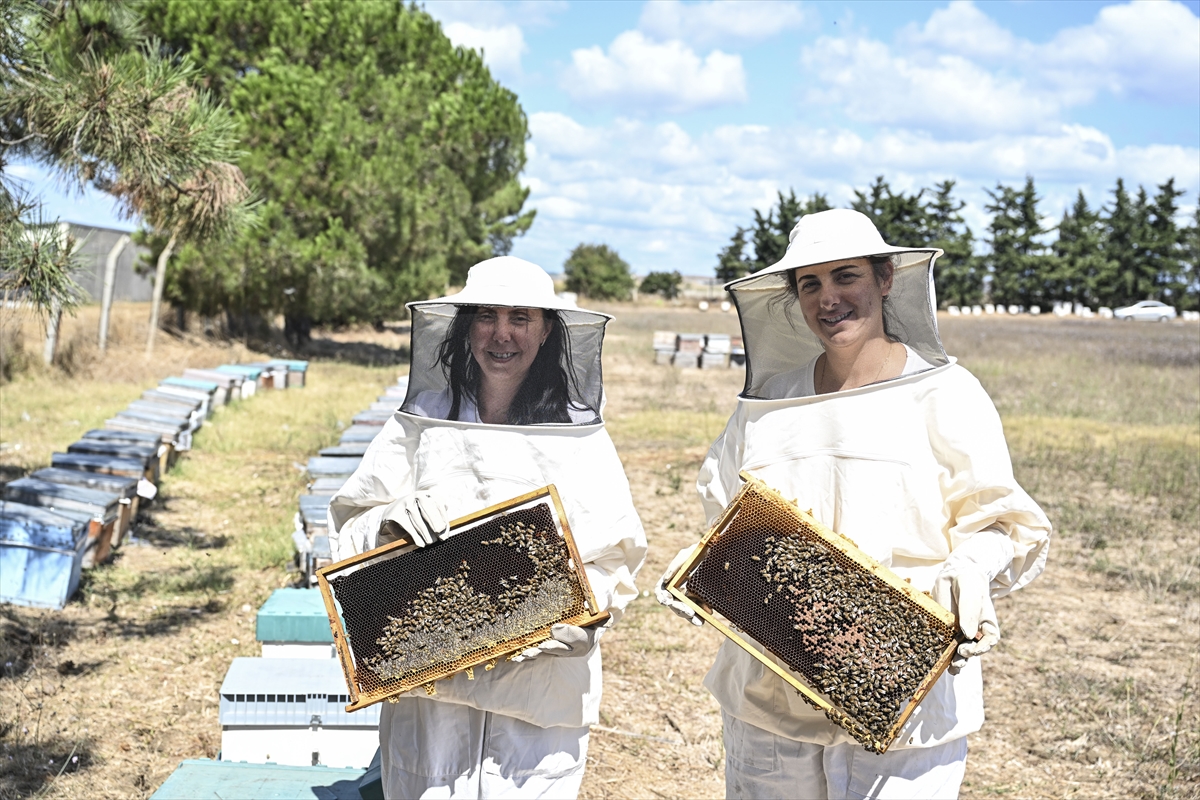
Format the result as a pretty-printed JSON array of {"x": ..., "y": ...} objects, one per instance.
[
  {"x": 698, "y": 350},
  {"x": 68, "y": 517},
  {"x": 328, "y": 470}
]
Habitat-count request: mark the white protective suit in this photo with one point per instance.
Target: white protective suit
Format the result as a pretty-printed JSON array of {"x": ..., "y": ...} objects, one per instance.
[
  {"x": 909, "y": 469},
  {"x": 521, "y": 729}
]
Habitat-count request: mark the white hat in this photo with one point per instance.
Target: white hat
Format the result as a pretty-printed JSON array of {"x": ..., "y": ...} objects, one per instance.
[
  {"x": 507, "y": 281},
  {"x": 776, "y": 342},
  {"x": 838, "y": 235},
  {"x": 513, "y": 283}
]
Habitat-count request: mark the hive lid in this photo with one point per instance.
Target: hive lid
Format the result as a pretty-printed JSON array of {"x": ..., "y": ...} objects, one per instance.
[
  {"x": 132, "y": 437},
  {"x": 360, "y": 433},
  {"x": 40, "y": 527},
  {"x": 293, "y": 615},
  {"x": 228, "y": 379},
  {"x": 351, "y": 450},
  {"x": 99, "y": 462},
  {"x": 115, "y": 484},
  {"x": 375, "y": 418},
  {"x": 36, "y": 492},
  {"x": 319, "y": 676},
  {"x": 322, "y": 466},
  {"x": 292, "y": 365},
  {"x": 144, "y": 453},
  {"x": 171, "y": 411},
  {"x": 191, "y": 383},
  {"x": 241, "y": 369},
  {"x": 153, "y": 418},
  {"x": 197, "y": 779},
  {"x": 192, "y": 400},
  {"x": 326, "y": 486}
]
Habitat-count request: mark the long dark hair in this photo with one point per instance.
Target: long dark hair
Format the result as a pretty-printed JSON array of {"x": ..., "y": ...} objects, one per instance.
[
  {"x": 545, "y": 394},
  {"x": 881, "y": 266}
]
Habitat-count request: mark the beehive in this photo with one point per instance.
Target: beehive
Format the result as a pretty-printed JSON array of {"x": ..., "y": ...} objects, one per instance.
[
  {"x": 404, "y": 617},
  {"x": 846, "y": 632}
]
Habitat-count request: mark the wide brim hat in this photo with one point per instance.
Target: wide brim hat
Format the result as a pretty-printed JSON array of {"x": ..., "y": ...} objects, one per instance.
[
  {"x": 776, "y": 338},
  {"x": 510, "y": 282}
]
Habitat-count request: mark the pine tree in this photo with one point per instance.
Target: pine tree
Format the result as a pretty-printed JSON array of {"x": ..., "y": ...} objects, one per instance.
[
  {"x": 900, "y": 218},
  {"x": 1018, "y": 264},
  {"x": 1128, "y": 276},
  {"x": 773, "y": 232},
  {"x": 1186, "y": 288},
  {"x": 1079, "y": 258},
  {"x": 731, "y": 261},
  {"x": 958, "y": 278},
  {"x": 1163, "y": 240}
]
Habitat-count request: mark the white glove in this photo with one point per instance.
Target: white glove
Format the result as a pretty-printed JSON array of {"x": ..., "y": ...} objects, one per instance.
[
  {"x": 566, "y": 641},
  {"x": 968, "y": 593},
  {"x": 418, "y": 517},
  {"x": 663, "y": 594}
]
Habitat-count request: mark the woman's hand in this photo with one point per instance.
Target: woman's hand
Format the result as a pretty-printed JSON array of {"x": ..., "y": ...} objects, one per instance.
[
  {"x": 418, "y": 517},
  {"x": 663, "y": 594},
  {"x": 968, "y": 593},
  {"x": 566, "y": 641}
]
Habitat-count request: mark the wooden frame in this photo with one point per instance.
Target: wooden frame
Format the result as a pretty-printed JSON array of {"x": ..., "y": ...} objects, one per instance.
[
  {"x": 677, "y": 587},
  {"x": 361, "y": 698}
]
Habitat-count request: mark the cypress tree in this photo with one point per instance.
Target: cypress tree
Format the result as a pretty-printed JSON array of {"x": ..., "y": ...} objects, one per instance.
[
  {"x": 1017, "y": 264},
  {"x": 731, "y": 261},
  {"x": 900, "y": 218},
  {"x": 1078, "y": 255},
  {"x": 959, "y": 279},
  {"x": 1128, "y": 276}
]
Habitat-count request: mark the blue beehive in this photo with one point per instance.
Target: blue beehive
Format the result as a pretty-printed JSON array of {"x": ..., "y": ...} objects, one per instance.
[
  {"x": 292, "y": 711},
  {"x": 102, "y": 464},
  {"x": 359, "y": 433},
  {"x": 148, "y": 454},
  {"x": 41, "y": 555},
  {"x": 351, "y": 450},
  {"x": 128, "y": 437},
  {"x": 124, "y": 488},
  {"x": 201, "y": 779},
  {"x": 101, "y": 509},
  {"x": 327, "y": 467},
  {"x": 204, "y": 397},
  {"x": 296, "y": 371}
]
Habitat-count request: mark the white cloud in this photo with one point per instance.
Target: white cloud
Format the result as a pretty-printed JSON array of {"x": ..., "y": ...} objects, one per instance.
[
  {"x": 667, "y": 200},
  {"x": 642, "y": 74},
  {"x": 963, "y": 72},
  {"x": 719, "y": 21},
  {"x": 502, "y": 46}
]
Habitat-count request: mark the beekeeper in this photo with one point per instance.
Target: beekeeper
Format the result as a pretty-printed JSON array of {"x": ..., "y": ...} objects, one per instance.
[
  {"x": 504, "y": 396},
  {"x": 852, "y": 407}
]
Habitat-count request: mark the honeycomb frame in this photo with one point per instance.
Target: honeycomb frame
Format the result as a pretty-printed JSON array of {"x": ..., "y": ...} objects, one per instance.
[
  {"x": 848, "y": 556},
  {"x": 362, "y": 684}
]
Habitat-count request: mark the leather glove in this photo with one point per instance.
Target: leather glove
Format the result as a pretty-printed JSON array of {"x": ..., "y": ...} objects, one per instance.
[
  {"x": 566, "y": 641},
  {"x": 968, "y": 593},
  {"x": 664, "y": 595},
  {"x": 418, "y": 517}
]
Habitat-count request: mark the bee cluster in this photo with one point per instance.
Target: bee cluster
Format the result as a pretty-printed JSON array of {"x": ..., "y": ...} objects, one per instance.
[
  {"x": 411, "y": 616},
  {"x": 850, "y": 635}
]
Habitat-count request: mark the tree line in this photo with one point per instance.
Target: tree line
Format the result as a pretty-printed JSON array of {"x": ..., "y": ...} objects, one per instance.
[
  {"x": 1127, "y": 249},
  {"x": 369, "y": 160}
]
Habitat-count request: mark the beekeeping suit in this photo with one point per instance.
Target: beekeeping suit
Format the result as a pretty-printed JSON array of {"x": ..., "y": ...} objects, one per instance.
[
  {"x": 915, "y": 470},
  {"x": 519, "y": 730}
]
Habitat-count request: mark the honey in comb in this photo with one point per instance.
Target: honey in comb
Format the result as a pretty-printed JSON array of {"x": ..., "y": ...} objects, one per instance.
[
  {"x": 850, "y": 635},
  {"x": 408, "y": 617}
]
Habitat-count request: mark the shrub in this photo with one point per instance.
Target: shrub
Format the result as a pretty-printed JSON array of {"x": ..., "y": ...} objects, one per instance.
[
  {"x": 596, "y": 271},
  {"x": 665, "y": 283}
]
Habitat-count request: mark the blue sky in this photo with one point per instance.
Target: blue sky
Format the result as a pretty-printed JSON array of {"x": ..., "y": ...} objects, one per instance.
[{"x": 656, "y": 127}]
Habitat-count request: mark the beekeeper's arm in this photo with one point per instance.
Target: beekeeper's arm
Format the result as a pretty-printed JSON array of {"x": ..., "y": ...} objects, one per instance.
[
  {"x": 377, "y": 490},
  {"x": 999, "y": 537}
]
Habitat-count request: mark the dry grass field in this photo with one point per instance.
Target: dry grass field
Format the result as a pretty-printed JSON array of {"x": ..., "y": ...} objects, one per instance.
[{"x": 1091, "y": 693}]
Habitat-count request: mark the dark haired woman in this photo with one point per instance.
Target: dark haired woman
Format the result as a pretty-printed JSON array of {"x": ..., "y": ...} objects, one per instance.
[
  {"x": 859, "y": 414},
  {"x": 504, "y": 396}
]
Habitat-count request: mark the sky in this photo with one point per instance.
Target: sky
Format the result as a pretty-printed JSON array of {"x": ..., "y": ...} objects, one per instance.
[{"x": 658, "y": 127}]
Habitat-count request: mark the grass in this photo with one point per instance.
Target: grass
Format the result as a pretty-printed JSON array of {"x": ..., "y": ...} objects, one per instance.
[{"x": 1091, "y": 692}]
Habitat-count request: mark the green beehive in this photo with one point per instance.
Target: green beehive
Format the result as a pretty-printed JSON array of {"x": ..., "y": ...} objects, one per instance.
[{"x": 293, "y": 616}]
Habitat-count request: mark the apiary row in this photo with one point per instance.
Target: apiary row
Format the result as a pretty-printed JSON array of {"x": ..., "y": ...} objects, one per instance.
[
  {"x": 68, "y": 517},
  {"x": 284, "y": 728},
  {"x": 328, "y": 470},
  {"x": 698, "y": 350}
]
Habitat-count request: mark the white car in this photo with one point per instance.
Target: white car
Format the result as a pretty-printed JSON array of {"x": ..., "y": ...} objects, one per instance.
[{"x": 1147, "y": 310}]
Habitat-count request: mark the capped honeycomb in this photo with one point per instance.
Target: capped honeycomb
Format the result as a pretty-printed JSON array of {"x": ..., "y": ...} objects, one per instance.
[
  {"x": 408, "y": 618},
  {"x": 865, "y": 647}
]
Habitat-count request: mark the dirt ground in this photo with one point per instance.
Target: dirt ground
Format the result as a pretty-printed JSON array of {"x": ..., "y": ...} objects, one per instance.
[{"x": 1090, "y": 694}]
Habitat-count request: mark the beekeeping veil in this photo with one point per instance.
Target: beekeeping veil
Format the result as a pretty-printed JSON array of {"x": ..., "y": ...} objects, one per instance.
[
  {"x": 777, "y": 339},
  {"x": 514, "y": 283}
]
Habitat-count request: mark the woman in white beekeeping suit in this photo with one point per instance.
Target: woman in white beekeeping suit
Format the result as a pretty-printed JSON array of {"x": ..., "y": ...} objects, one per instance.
[
  {"x": 852, "y": 407},
  {"x": 504, "y": 396}
]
